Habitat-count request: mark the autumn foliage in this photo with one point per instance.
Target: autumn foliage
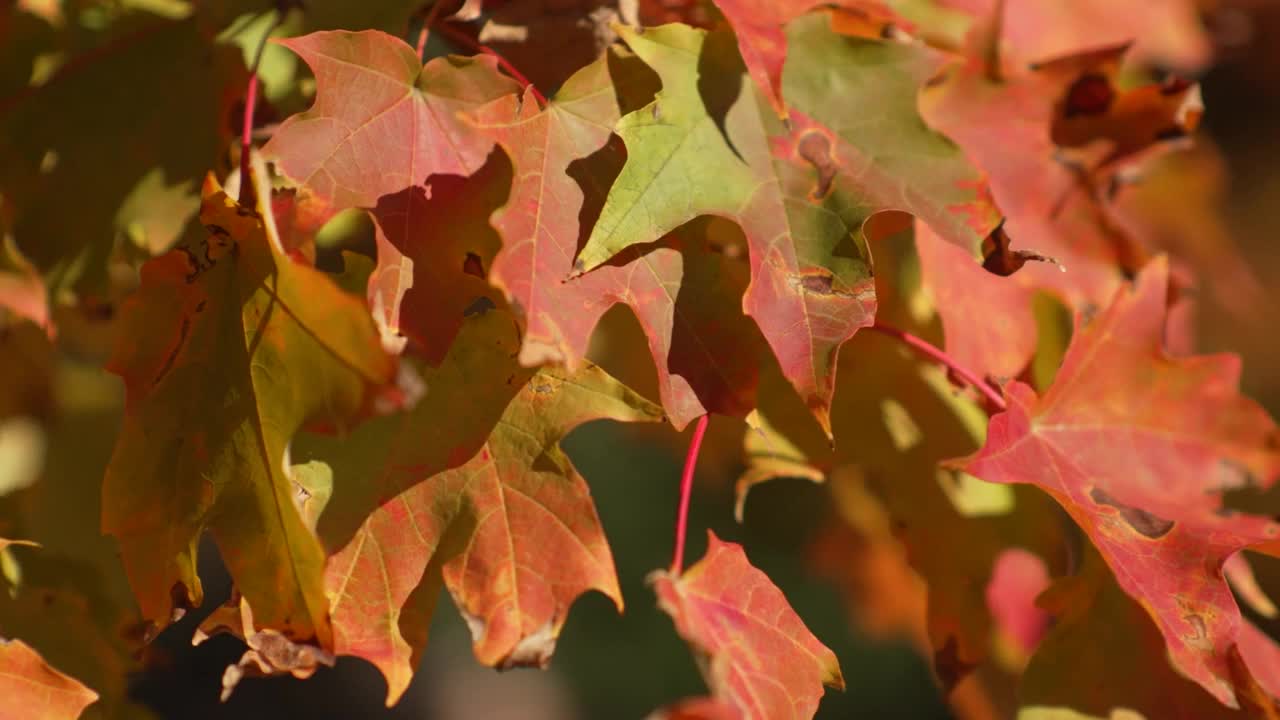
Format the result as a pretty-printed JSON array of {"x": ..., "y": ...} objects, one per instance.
[{"x": 352, "y": 266}]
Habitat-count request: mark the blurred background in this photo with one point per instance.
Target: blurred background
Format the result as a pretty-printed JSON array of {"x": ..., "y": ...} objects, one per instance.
[{"x": 606, "y": 665}]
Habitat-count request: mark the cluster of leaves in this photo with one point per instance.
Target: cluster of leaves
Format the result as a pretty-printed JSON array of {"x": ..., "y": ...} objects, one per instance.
[{"x": 782, "y": 193}]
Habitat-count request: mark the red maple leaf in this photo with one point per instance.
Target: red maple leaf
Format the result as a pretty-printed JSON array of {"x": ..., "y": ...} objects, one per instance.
[
  {"x": 1138, "y": 447},
  {"x": 760, "y": 661},
  {"x": 540, "y": 226}
]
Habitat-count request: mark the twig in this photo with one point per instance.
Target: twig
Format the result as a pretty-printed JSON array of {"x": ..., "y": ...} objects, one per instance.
[
  {"x": 686, "y": 492},
  {"x": 992, "y": 395}
]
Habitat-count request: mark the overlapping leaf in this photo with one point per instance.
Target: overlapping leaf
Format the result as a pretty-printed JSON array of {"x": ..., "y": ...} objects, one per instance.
[
  {"x": 1104, "y": 656},
  {"x": 1056, "y": 206},
  {"x": 229, "y": 348},
  {"x": 430, "y": 273},
  {"x": 1138, "y": 447},
  {"x": 382, "y": 124},
  {"x": 708, "y": 144},
  {"x": 890, "y": 436},
  {"x": 1167, "y": 32},
  {"x": 758, "y": 658},
  {"x": 669, "y": 287},
  {"x": 759, "y": 26},
  {"x": 382, "y": 121},
  {"x": 511, "y": 531}
]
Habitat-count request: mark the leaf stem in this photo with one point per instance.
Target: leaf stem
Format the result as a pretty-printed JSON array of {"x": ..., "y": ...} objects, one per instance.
[
  {"x": 686, "y": 492},
  {"x": 458, "y": 37},
  {"x": 991, "y": 52},
  {"x": 250, "y": 103},
  {"x": 932, "y": 352},
  {"x": 428, "y": 21}
]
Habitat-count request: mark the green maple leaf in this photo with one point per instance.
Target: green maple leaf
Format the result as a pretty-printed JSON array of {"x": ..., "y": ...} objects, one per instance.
[
  {"x": 854, "y": 145},
  {"x": 227, "y": 350}
]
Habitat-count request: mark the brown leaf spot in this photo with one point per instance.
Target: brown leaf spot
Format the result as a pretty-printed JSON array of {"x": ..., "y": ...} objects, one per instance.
[
  {"x": 1144, "y": 523},
  {"x": 817, "y": 282},
  {"x": 815, "y": 147},
  {"x": 1198, "y": 630},
  {"x": 1088, "y": 311}
]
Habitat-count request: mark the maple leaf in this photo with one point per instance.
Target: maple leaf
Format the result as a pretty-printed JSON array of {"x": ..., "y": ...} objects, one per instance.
[
  {"x": 1055, "y": 207},
  {"x": 540, "y": 227},
  {"x": 758, "y": 658},
  {"x": 708, "y": 144},
  {"x": 988, "y": 320},
  {"x": 401, "y": 126},
  {"x": 228, "y": 348},
  {"x": 1138, "y": 448},
  {"x": 1163, "y": 32},
  {"x": 1103, "y": 653},
  {"x": 890, "y": 437},
  {"x": 759, "y": 26},
  {"x": 30, "y": 688},
  {"x": 503, "y": 521},
  {"x": 139, "y": 168},
  {"x": 269, "y": 651},
  {"x": 376, "y": 151}
]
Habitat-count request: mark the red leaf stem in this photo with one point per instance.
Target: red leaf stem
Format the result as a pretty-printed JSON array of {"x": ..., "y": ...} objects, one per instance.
[
  {"x": 250, "y": 102},
  {"x": 458, "y": 37},
  {"x": 992, "y": 395},
  {"x": 686, "y": 492},
  {"x": 427, "y": 23}
]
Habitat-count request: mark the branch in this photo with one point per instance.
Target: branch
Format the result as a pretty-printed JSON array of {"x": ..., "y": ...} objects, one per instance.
[
  {"x": 922, "y": 347},
  {"x": 686, "y": 492}
]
